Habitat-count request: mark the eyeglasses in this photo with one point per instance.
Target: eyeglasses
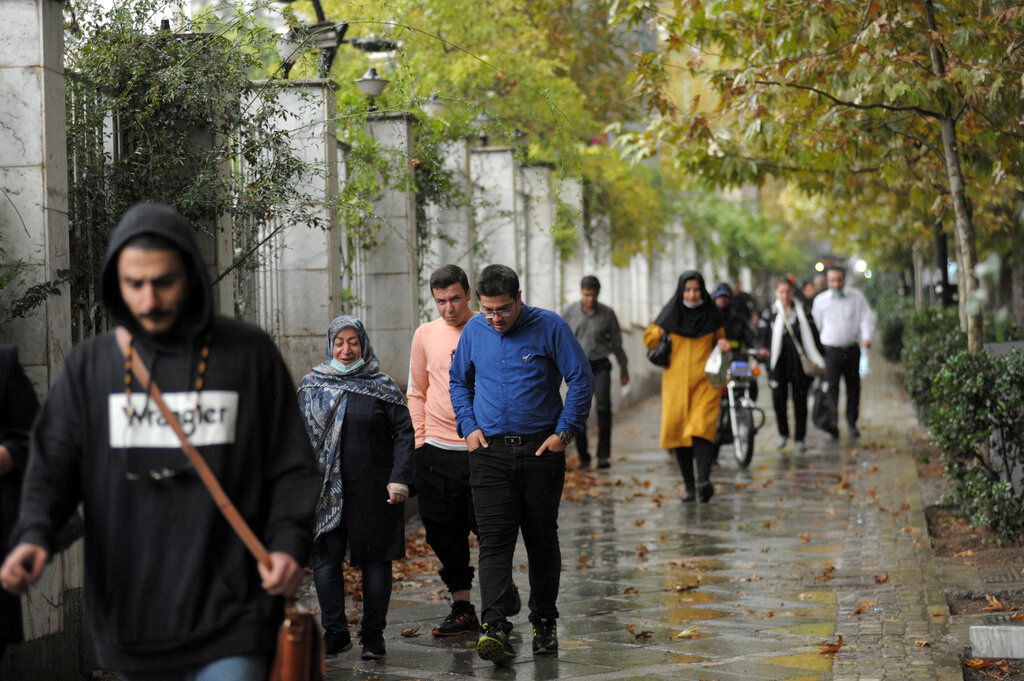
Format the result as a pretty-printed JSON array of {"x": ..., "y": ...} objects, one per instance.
[{"x": 505, "y": 311}]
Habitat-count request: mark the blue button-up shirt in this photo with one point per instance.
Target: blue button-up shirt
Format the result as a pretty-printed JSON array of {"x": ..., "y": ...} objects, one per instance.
[{"x": 508, "y": 383}]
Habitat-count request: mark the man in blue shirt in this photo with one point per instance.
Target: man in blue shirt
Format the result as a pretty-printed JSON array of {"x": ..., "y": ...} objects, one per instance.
[{"x": 504, "y": 383}]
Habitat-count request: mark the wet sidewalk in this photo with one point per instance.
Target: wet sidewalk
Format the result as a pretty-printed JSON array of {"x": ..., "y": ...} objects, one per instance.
[{"x": 792, "y": 553}]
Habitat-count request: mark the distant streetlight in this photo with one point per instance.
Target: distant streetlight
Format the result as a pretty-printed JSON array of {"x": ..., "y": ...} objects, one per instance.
[
  {"x": 372, "y": 85},
  {"x": 434, "y": 107},
  {"x": 482, "y": 123},
  {"x": 327, "y": 36}
]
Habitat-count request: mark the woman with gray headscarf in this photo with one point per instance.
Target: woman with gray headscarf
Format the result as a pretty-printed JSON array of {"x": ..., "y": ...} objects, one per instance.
[{"x": 359, "y": 424}]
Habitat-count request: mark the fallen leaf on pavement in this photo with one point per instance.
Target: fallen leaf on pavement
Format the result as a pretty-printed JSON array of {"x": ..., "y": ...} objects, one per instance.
[
  {"x": 678, "y": 588},
  {"x": 1017, "y": 617},
  {"x": 640, "y": 550},
  {"x": 752, "y": 578},
  {"x": 831, "y": 648},
  {"x": 805, "y": 538},
  {"x": 827, "y": 574},
  {"x": 864, "y": 605},
  {"x": 923, "y": 644},
  {"x": 411, "y": 633},
  {"x": 964, "y": 554},
  {"x": 688, "y": 632},
  {"x": 641, "y": 636},
  {"x": 640, "y": 523},
  {"x": 978, "y": 662},
  {"x": 994, "y": 604},
  {"x": 629, "y": 591},
  {"x": 882, "y": 579}
]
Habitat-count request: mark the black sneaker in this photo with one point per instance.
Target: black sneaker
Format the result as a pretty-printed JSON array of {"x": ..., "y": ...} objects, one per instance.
[
  {"x": 336, "y": 642},
  {"x": 545, "y": 637},
  {"x": 494, "y": 644},
  {"x": 604, "y": 464},
  {"x": 373, "y": 646},
  {"x": 461, "y": 620}
]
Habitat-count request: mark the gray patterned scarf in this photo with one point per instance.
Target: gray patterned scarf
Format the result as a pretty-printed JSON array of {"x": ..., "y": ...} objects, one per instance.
[{"x": 323, "y": 396}]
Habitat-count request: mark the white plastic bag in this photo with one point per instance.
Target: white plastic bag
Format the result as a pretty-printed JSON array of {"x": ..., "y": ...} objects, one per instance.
[{"x": 716, "y": 368}]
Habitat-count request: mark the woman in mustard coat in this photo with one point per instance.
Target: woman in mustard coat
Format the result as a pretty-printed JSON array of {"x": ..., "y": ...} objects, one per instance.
[{"x": 689, "y": 403}]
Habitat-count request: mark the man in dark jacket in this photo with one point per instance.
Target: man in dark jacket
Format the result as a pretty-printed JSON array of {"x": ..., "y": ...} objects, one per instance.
[
  {"x": 18, "y": 407},
  {"x": 169, "y": 587}
]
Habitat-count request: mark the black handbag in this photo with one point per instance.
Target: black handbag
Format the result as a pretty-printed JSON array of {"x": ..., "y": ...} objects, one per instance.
[{"x": 660, "y": 354}]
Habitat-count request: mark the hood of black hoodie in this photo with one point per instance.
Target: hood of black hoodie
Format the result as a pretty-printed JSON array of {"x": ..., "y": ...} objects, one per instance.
[{"x": 164, "y": 221}]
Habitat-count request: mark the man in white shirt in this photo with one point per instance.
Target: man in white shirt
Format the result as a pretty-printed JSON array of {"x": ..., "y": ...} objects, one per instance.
[{"x": 846, "y": 323}]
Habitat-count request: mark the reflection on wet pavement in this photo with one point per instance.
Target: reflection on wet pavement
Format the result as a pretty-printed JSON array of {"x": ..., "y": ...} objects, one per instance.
[{"x": 790, "y": 554}]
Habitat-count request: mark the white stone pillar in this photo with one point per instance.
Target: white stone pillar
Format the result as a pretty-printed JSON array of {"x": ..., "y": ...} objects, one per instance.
[
  {"x": 299, "y": 282},
  {"x": 450, "y": 228},
  {"x": 34, "y": 229},
  {"x": 538, "y": 275},
  {"x": 34, "y": 177},
  {"x": 498, "y": 211},
  {"x": 390, "y": 272}
]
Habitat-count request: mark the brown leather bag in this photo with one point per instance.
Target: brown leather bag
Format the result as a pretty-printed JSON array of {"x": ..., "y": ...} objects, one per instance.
[{"x": 300, "y": 653}]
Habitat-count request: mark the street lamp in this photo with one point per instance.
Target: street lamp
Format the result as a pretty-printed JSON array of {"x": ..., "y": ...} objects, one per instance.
[
  {"x": 372, "y": 85},
  {"x": 328, "y": 37}
]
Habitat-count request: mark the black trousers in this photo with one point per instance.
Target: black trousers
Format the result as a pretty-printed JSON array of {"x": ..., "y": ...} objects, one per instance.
[
  {"x": 446, "y": 508},
  {"x": 844, "y": 363},
  {"x": 602, "y": 369},
  {"x": 513, "y": 491},
  {"x": 700, "y": 450},
  {"x": 784, "y": 385}
]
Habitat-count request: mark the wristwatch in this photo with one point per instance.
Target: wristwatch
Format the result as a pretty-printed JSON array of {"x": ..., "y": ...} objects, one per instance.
[{"x": 565, "y": 436}]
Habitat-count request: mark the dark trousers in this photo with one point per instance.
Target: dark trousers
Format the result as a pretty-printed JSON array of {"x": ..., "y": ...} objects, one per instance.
[
  {"x": 328, "y": 554},
  {"x": 602, "y": 369},
  {"x": 446, "y": 508},
  {"x": 845, "y": 363},
  {"x": 780, "y": 393},
  {"x": 700, "y": 450},
  {"x": 515, "y": 490}
]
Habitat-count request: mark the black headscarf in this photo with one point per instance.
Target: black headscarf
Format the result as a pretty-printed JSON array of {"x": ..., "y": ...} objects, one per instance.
[{"x": 690, "y": 322}]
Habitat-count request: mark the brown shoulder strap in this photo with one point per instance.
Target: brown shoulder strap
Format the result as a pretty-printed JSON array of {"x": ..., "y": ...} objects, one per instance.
[{"x": 232, "y": 515}]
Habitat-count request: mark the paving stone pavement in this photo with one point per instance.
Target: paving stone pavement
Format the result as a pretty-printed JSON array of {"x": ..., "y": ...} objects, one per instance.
[{"x": 791, "y": 553}]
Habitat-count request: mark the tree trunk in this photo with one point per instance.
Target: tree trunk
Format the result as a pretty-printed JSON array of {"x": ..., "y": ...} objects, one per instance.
[{"x": 963, "y": 223}]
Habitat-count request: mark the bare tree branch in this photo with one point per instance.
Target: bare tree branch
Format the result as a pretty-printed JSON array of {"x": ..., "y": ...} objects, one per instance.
[{"x": 851, "y": 105}]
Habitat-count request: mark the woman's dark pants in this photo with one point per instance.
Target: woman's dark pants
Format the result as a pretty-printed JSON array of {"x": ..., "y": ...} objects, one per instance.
[{"x": 328, "y": 554}]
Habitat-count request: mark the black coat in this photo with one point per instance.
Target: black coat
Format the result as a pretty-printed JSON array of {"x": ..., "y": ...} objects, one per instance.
[
  {"x": 788, "y": 368},
  {"x": 377, "y": 444},
  {"x": 18, "y": 407}
]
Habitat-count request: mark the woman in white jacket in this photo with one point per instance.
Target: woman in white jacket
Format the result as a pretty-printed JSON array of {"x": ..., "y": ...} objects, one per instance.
[{"x": 785, "y": 372}]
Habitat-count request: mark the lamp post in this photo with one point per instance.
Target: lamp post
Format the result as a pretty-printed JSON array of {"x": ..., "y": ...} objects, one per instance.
[
  {"x": 372, "y": 85},
  {"x": 328, "y": 37}
]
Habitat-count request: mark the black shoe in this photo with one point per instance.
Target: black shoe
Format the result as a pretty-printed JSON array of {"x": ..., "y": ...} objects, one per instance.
[
  {"x": 854, "y": 433},
  {"x": 545, "y": 637},
  {"x": 461, "y": 620},
  {"x": 336, "y": 642},
  {"x": 707, "y": 490},
  {"x": 373, "y": 646},
  {"x": 689, "y": 494},
  {"x": 584, "y": 463},
  {"x": 833, "y": 433},
  {"x": 604, "y": 463},
  {"x": 494, "y": 644}
]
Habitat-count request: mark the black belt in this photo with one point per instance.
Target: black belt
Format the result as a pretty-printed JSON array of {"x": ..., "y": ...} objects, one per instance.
[{"x": 517, "y": 440}]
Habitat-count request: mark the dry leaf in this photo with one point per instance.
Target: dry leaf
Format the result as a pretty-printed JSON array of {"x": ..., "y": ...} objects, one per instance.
[
  {"x": 1017, "y": 617},
  {"x": 864, "y": 605},
  {"x": 978, "y": 662},
  {"x": 805, "y": 538},
  {"x": 827, "y": 574},
  {"x": 688, "y": 632},
  {"x": 411, "y": 633},
  {"x": 752, "y": 578},
  {"x": 994, "y": 604},
  {"x": 629, "y": 591},
  {"x": 678, "y": 588},
  {"x": 641, "y": 636},
  {"x": 882, "y": 579},
  {"x": 964, "y": 554},
  {"x": 831, "y": 648},
  {"x": 640, "y": 523},
  {"x": 766, "y": 549},
  {"x": 923, "y": 644},
  {"x": 641, "y": 550}
]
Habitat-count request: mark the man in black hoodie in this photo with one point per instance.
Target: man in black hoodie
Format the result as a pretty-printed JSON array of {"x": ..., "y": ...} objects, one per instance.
[{"x": 169, "y": 587}]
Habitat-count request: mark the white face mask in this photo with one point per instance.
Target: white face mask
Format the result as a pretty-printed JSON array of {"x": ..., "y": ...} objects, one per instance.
[
  {"x": 347, "y": 368},
  {"x": 692, "y": 305}
]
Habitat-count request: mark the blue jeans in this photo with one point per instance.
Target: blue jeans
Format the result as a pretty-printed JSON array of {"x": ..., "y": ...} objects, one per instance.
[
  {"x": 328, "y": 554},
  {"x": 240, "y": 668},
  {"x": 513, "y": 491}
]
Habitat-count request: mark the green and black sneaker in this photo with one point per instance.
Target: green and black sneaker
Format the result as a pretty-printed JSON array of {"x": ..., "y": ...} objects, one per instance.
[
  {"x": 545, "y": 637},
  {"x": 494, "y": 644}
]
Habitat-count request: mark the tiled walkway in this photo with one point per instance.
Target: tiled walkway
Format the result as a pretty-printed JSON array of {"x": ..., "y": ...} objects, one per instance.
[{"x": 790, "y": 554}]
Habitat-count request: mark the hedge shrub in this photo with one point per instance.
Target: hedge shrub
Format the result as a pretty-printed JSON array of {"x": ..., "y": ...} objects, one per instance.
[{"x": 930, "y": 336}]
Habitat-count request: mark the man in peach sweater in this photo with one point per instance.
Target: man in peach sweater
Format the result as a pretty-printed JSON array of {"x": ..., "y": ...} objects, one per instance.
[{"x": 442, "y": 460}]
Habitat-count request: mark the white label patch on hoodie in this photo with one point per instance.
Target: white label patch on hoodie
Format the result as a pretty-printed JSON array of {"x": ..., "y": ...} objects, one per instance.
[{"x": 208, "y": 418}]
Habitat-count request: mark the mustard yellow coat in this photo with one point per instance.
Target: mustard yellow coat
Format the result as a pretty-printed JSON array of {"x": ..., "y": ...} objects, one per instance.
[{"x": 689, "y": 403}]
